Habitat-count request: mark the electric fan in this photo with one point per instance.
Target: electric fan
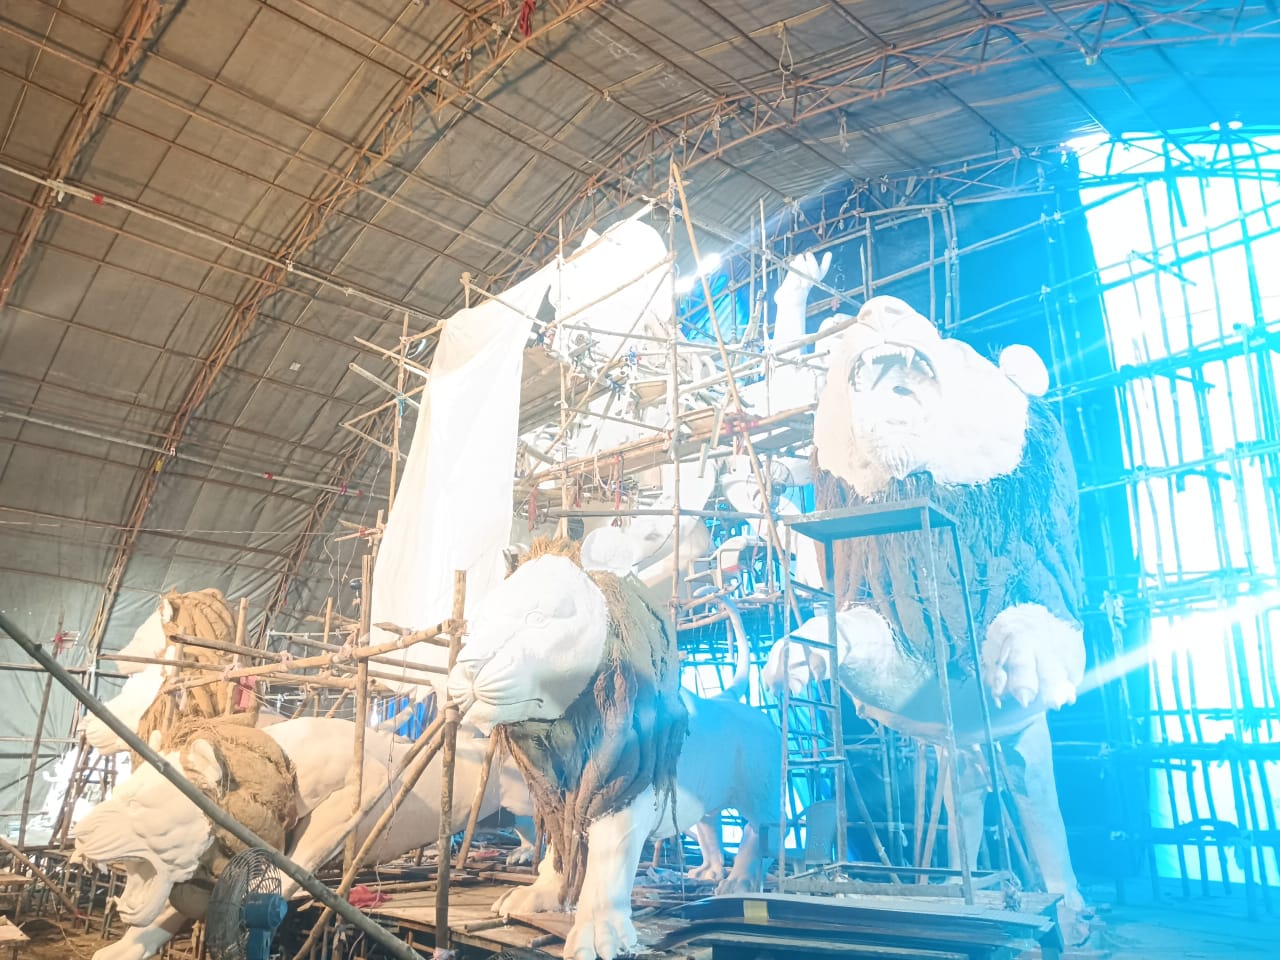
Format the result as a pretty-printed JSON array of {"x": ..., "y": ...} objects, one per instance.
[{"x": 245, "y": 908}]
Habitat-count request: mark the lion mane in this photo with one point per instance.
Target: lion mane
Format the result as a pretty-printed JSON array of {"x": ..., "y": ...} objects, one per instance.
[
  {"x": 1018, "y": 536},
  {"x": 203, "y": 614},
  {"x": 622, "y": 735}
]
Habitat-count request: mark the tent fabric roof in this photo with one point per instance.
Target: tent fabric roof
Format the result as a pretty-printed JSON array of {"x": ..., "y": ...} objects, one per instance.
[{"x": 203, "y": 203}]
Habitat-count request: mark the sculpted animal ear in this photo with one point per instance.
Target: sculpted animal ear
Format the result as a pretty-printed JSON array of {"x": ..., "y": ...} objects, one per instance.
[
  {"x": 1024, "y": 367},
  {"x": 824, "y": 265},
  {"x": 204, "y": 766},
  {"x": 166, "y": 610}
]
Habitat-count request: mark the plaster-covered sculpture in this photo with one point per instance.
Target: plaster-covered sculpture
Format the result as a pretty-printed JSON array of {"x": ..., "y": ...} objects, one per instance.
[
  {"x": 743, "y": 775},
  {"x": 201, "y": 613},
  {"x": 578, "y": 671},
  {"x": 139, "y": 703},
  {"x": 170, "y": 851},
  {"x": 906, "y": 413}
]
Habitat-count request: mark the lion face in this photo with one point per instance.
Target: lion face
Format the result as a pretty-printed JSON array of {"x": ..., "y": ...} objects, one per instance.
[
  {"x": 153, "y": 832},
  {"x": 900, "y": 399},
  {"x": 533, "y": 647}
]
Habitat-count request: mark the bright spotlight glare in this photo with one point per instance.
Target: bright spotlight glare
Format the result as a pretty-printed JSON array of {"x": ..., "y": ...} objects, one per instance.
[{"x": 706, "y": 265}]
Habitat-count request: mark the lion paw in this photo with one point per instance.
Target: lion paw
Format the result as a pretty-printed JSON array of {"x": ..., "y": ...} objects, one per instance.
[
  {"x": 525, "y": 900},
  {"x": 1029, "y": 653},
  {"x": 600, "y": 936},
  {"x": 708, "y": 871},
  {"x": 735, "y": 884},
  {"x": 521, "y": 856},
  {"x": 124, "y": 950}
]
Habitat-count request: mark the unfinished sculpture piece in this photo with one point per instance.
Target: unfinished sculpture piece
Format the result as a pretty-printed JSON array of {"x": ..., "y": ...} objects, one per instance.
[
  {"x": 577, "y": 671},
  {"x": 171, "y": 852},
  {"x": 203, "y": 614},
  {"x": 907, "y": 413}
]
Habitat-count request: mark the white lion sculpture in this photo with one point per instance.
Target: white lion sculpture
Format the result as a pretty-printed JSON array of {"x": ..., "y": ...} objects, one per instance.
[
  {"x": 578, "y": 673},
  {"x": 170, "y": 851},
  {"x": 906, "y": 413}
]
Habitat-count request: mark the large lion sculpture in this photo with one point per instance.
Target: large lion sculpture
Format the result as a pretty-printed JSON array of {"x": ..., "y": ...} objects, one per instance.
[
  {"x": 578, "y": 671},
  {"x": 289, "y": 783},
  {"x": 905, "y": 413}
]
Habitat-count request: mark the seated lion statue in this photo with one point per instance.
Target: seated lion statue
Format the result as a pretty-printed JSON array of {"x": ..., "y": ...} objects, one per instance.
[{"x": 908, "y": 414}]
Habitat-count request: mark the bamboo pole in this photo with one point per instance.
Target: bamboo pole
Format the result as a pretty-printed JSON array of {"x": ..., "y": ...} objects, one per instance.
[
  {"x": 356, "y": 775},
  {"x": 395, "y": 423},
  {"x": 490, "y": 759},
  {"x": 35, "y": 758},
  {"x": 41, "y": 875},
  {"x": 775, "y": 539},
  {"x": 320, "y": 660},
  {"x": 417, "y": 760},
  {"x": 337, "y": 704},
  {"x": 304, "y": 878},
  {"x": 451, "y": 718},
  {"x": 242, "y": 616}
]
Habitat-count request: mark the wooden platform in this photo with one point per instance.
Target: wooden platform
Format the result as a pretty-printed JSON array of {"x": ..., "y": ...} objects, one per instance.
[{"x": 678, "y": 920}]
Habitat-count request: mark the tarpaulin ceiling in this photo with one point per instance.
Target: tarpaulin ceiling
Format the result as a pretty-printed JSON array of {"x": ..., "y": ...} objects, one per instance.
[{"x": 203, "y": 203}]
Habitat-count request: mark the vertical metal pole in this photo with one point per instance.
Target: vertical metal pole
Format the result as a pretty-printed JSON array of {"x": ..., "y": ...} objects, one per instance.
[
  {"x": 784, "y": 705},
  {"x": 989, "y": 742},
  {"x": 451, "y": 716},
  {"x": 393, "y": 475},
  {"x": 955, "y": 822},
  {"x": 673, "y": 387},
  {"x": 837, "y": 719},
  {"x": 35, "y": 759}
]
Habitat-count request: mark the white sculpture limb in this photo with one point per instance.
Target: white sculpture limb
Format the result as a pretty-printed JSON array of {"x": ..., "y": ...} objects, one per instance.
[
  {"x": 1029, "y": 653},
  {"x": 602, "y": 927},
  {"x": 142, "y": 686},
  {"x": 792, "y": 296},
  {"x": 140, "y": 943},
  {"x": 541, "y": 896}
]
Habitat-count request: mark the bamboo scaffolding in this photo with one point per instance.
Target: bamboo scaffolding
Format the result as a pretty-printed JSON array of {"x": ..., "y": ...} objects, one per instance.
[
  {"x": 35, "y": 756},
  {"x": 43, "y": 877},
  {"x": 395, "y": 947},
  {"x": 406, "y": 776},
  {"x": 356, "y": 776},
  {"x": 452, "y": 716},
  {"x": 491, "y": 758},
  {"x": 329, "y": 660}
]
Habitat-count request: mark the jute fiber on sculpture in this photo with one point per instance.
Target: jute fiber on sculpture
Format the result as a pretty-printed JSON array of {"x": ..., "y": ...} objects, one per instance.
[
  {"x": 1010, "y": 533},
  {"x": 203, "y": 614},
  {"x": 258, "y": 786},
  {"x": 622, "y": 735}
]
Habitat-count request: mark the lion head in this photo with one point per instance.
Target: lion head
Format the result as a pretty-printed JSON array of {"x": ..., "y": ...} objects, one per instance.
[
  {"x": 900, "y": 399},
  {"x": 200, "y": 613},
  {"x": 153, "y": 832},
  {"x": 534, "y": 646},
  {"x": 162, "y": 840}
]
